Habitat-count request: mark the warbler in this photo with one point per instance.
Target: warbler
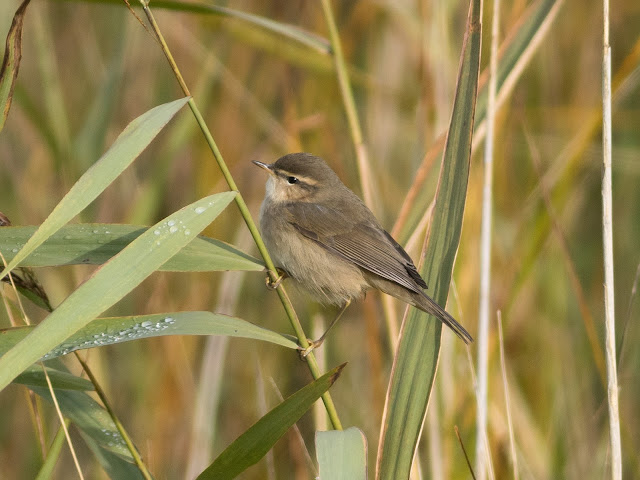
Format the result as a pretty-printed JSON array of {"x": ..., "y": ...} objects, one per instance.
[{"x": 325, "y": 238}]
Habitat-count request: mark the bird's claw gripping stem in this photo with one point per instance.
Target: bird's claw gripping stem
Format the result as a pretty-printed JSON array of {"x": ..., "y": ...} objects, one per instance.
[
  {"x": 273, "y": 284},
  {"x": 313, "y": 344}
]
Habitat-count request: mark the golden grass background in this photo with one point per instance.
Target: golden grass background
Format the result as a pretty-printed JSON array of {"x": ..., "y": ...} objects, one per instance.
[{"x": 88, "y": 69}]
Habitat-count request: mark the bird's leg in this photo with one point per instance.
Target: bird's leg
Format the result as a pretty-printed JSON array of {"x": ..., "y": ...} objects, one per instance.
[
  {"x": 313, "y": 344},
  {"x": 273, "y": 284}
]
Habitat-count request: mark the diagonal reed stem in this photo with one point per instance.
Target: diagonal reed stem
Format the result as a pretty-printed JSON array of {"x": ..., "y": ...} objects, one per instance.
[
  {"x": 246, "y": 215},
  {"x": 362, "y": 157}
]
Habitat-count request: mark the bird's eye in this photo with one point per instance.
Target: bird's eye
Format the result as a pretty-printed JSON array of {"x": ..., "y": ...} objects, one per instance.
[{"x": 292, "y": 180}]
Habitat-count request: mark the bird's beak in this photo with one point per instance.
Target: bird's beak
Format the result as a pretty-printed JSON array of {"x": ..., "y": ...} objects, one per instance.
[{"x": 266, "y": 166}]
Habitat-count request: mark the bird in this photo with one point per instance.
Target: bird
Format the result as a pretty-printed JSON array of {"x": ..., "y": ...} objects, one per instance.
[{"x": 320, "y": 234}]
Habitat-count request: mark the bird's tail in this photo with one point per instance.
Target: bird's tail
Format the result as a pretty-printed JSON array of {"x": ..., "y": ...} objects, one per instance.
[
  {"x": 427, "y": 304},
  {"x": 420, "y": 300}
]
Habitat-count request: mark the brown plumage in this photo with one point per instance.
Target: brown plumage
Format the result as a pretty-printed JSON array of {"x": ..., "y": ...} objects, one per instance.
[{"x": 326, "y": 239}]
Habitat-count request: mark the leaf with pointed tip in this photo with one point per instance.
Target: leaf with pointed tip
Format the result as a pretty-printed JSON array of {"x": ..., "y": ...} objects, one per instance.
[
  {"x": 89, "y": 417},
  {"x": 416, "y": 360},
  {"x": 254, "y": 444},
  {"x": 11, "y": 62},
  {"x": 129, "y": 144}
]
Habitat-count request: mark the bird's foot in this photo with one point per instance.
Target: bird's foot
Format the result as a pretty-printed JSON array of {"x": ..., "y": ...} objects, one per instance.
[
  {"x": 313, "y": 344},
  {"x": 273, "y": 284}
]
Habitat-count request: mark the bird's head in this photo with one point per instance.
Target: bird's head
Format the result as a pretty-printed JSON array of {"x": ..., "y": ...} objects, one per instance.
[{"x": 299, "y": 177}]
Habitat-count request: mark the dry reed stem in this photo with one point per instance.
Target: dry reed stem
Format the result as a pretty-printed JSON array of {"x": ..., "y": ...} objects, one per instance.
[
  {"x": 607, "y": 238},
  {"x": 362, "y": 156},
  {"x": 482, "y": 392}
]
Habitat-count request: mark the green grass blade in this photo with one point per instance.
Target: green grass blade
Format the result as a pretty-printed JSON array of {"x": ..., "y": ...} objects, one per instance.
[
  {"x": 34, "y": 377},
  {"x": 342, "y": 454},
  {"x": 96, "y": 428},
  {"x": 254, "y": 444},
  {"x": 416, "y": 360},
  {"x": 11, "y": 62},
  {"x": 116, "y": 467},
  {"x": 112, "y": 282},
  {"x": 131, "y": 142},
  {"x": 53, "y": 454},
  {"x": 95, "y": 244},
  {"x": 109, "y": 331},
  {"x": 90, "y": 417}
]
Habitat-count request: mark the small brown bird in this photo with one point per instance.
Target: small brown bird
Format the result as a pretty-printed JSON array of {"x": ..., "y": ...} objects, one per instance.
[{"x": 324, "y": 237}]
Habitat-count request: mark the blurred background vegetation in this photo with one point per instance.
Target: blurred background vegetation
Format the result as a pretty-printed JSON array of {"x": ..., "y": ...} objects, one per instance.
[{"x": 89, "y": 68}]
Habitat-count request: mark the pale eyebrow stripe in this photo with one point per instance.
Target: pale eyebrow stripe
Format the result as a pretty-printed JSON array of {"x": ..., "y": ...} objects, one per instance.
[{"x": 309, "y": 181}]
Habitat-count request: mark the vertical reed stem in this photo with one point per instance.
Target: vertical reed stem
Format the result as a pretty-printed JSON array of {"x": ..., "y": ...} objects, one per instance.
[
  {"x": 485, "y": 258},
  {"x": 607, "y": 237}
]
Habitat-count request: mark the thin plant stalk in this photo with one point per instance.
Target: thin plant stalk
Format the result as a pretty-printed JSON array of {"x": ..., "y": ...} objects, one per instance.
[
  {"x": 50, "y": 460},
  {"x": 36, "y": 418},
  {"x": 125, "y": 436},
  {"x": 607, "y": 237},
  {"x": 485, "y": 256},
  {"x": 246, "y": 215},
  {"x": 464, "y": 451},
  {"x": 362, "y": 156},
  {"x": 63, "y": 424}
]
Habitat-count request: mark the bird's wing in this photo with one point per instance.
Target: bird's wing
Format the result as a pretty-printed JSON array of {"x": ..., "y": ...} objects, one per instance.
[{"x": 365, "y": 243}]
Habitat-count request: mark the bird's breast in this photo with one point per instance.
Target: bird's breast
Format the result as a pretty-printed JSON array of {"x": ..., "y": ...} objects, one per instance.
[{"x": 328, "y": 277}]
